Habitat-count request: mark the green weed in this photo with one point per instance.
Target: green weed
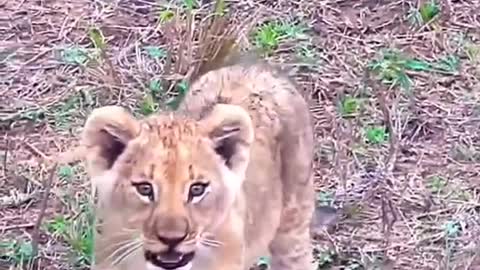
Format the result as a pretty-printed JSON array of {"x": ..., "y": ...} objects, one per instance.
[
  {"x": 182, "y": 89},
  {"x": 165, "y": 16},
  {"x": 59, "y": 226},
  {"x": 97, "y": 38},
  {"x": 429, "y": 10},
  {"x": 268, "y": 36},
  {"x": 376, "y": 134},
  {"x": 392, "y": 67},
  {"x": 65, "y": 172},
  {"x": 190, "y": 4},
  {"x": 148, "y": 105},
  {"x": 78, "y": 233},
  {"x": 425, "y": 13},
  {"x": 350, "y": 106},
  {"x": 17, "y": 252}
]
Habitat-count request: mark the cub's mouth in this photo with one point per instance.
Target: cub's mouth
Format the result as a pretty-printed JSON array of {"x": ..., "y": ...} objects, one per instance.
[{"x": 169, "y": 260}]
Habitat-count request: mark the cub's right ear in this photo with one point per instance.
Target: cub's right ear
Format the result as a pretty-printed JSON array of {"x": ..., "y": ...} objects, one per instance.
[{"x": 106, "y": 133}]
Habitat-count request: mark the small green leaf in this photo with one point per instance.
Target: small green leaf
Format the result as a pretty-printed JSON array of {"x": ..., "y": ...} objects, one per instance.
[
  {"x": 148, "y": 105},
  {"x": 65, "y": 172},
  {"x": 190, "y": 4},
  {"x": 417, "y": 65},
  {"x": 155, "y": 86},
  {"x": 155, "y": 52},
  {"x": 376, "y": 135},
  {"x": 429, "y": 10},
  {"x": 452, "y": 228},
  {"x": 220, "y": 7},
  {"x": 58, "y": 226},
  {"x": 166, "y": 16},
  {"x": 183, "y": 87},
  {"x": 97, "y": 38},
  {"x": 350, "y": 106}
]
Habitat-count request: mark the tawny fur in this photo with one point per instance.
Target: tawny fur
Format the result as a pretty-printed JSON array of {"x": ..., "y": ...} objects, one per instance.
[{"x": 262, "y": 196}]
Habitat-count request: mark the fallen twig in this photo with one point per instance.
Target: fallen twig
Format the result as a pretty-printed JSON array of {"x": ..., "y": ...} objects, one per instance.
[{"x": 36, "y": 231}]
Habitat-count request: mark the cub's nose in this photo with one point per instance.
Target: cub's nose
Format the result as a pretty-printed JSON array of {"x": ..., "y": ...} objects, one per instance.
[{"x": 171, "y": 231}]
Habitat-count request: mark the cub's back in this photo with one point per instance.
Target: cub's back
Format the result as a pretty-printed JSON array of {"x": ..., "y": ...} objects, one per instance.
[{"x": 283, "y": 142}]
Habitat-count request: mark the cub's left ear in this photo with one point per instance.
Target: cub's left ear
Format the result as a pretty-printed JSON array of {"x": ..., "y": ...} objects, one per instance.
[{"x": 231, "y": 130}]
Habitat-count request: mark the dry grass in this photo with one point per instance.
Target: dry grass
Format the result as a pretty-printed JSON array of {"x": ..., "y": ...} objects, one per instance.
[{"x": 401, "y": 163}]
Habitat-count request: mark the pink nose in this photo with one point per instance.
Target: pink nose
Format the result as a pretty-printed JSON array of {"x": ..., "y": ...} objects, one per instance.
[{"x": 171, "y": 231}]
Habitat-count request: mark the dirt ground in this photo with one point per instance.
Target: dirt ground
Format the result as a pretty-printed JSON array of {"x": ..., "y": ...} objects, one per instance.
[{"x": 397, "y": 166}]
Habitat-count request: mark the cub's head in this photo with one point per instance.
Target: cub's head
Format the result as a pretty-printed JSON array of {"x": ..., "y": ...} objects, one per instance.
[{"x": 167, "y": 180}]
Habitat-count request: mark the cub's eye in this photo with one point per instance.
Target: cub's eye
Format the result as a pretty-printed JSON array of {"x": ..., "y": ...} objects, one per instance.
[
  {"x": 144, "y": 189},
  {"x": 197, "y": 191}
]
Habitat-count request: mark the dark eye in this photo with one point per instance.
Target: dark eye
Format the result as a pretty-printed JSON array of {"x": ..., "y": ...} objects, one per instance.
[
  {"x": 144, "y": 189},
  {"x": 197, "y": 189}
]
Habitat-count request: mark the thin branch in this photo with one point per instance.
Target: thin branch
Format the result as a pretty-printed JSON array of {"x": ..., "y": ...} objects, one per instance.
[{"x": 36, "y": 231}]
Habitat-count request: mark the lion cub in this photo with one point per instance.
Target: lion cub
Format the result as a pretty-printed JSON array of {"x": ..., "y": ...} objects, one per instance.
[{"x": 214, "y": 186}]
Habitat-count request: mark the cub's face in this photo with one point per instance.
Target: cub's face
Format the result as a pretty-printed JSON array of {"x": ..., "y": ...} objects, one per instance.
[{"x": 170, "y": 181}]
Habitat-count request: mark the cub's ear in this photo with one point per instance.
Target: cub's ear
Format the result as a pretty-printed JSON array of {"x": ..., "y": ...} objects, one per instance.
[
  {"x": 105, "y": 135},
  {"x": 231, "y": 130}
]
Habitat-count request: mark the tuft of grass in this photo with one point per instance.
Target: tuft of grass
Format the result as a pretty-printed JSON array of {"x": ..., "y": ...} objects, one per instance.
[
  {"x": 77, "y": 232},
  {"x": 392, "y": 67},
  {"x": 58, "y": 226},
  {"x": 268, "y": 36}
]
